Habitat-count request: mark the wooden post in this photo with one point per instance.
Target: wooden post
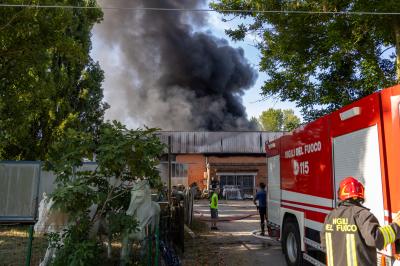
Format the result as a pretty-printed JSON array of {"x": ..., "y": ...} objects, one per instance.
[
  {"x": 169, "y": 170},
  {"x": 157, "y": 245}
]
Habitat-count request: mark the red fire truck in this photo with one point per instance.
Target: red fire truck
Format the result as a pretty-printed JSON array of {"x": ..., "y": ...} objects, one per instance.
[{"x": 306, "y": 166}]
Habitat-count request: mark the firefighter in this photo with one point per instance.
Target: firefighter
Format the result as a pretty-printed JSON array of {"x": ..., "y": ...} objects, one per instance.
[
  {"x": 261, "y": 199},
  {"x": 351, "y": 233}
]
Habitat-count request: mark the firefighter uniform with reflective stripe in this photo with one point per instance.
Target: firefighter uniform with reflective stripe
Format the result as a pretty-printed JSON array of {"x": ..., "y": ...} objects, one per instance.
[{"x": 351, "y": 235}]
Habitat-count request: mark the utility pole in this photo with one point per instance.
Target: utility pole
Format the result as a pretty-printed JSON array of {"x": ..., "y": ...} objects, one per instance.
[{"x": 169, "y": 170}]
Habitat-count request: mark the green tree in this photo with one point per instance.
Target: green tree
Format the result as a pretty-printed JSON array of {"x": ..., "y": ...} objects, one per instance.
[
  {"x": 322, "y": 61},
  {"x": 290, "y": 120},
  {"x": 121, "y": 155},
  {"x": 255, "y": 123},
  {"x": 279, "y": 120},
  {"x": 271, "y": 120},
  {"x": 48, "y": 81}
]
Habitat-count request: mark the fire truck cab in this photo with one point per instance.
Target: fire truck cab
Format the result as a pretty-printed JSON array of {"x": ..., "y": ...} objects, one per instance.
[{"x": 306, "y": 166}]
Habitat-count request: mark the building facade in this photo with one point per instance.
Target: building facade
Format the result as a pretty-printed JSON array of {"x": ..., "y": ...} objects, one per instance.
[{"x": 231, "y": 158}]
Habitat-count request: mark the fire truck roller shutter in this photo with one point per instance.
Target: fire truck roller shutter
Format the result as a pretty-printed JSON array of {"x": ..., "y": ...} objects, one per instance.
[
  {"x": 274, "y": 190},
  {"x": 357, "y": 154}
]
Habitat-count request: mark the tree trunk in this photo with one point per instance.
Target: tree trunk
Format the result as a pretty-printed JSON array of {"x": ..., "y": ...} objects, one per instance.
[{"x": 397, "y": 40}]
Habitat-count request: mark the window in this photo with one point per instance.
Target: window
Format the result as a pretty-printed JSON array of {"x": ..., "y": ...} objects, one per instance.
[
  {"x": 248, "y": 181},
  {"x": 179, "y": 170},
  {"x": 239, "y": 181},
  {"x": 242, "y": 181}
]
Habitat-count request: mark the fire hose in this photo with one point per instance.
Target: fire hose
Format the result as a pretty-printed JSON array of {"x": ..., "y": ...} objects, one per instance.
[
  {"x": 255, "y": 233},
  {"x": 225, "y": 219}
]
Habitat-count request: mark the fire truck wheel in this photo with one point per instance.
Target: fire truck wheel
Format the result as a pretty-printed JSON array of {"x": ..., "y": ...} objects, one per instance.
[{"x": 291, "y": 243}]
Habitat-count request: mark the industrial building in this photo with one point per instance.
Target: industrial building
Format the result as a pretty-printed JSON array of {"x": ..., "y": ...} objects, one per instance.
[{"x": 233, "y": 158}]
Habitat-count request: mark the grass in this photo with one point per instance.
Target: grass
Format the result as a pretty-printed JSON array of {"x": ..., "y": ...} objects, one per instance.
[{"x": 14, "y": 245}]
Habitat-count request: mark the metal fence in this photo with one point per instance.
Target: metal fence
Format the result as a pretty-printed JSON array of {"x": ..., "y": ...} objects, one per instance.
[
  {"x": 20, "y": 245},
  {"x": 22, "y": 184},
  {"x": 171, "y": 234},
  {"x": 19, "y": 184},
  {"x": 21, "y": 187}
]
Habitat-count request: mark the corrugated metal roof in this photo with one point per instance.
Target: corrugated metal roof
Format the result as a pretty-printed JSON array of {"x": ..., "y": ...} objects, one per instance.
[{"x": 218, "y": 142}]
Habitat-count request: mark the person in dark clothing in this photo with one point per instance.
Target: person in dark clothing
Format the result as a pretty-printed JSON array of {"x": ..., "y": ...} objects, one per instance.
[
  {"x": 261, "y": 198},
  {"x": 351, "y": 233},
  {"x": 214, "y": 183}
]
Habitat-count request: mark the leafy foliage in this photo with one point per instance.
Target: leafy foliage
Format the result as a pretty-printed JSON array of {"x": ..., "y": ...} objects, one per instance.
[
  {"x": 279, "y": 120},
  {"x": 122, "y": 156},
  {"x": 48, "y": 82},
  {"x": 290, "y": 120},
  {"x": 255, "y": 123},
  {"x": 120, "y": 222},
  {"x": 77, "y": 248},
  {"x": 322, "y": 61},
  {"x": 271, "y": 120}
]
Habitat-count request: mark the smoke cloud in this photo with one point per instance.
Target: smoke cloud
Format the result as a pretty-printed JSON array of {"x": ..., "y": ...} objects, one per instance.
[{"x": 162, "y": 73}]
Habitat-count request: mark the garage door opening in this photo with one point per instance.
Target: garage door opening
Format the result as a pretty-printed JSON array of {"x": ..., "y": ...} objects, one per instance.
[{"x": 244, "y": 182}]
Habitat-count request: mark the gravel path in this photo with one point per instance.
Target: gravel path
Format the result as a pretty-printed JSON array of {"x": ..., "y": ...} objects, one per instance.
[{"x": 233, "y": 244}]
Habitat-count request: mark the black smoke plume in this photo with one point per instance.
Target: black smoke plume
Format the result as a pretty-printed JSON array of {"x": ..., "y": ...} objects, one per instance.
[{"x": 167, "y": 74}]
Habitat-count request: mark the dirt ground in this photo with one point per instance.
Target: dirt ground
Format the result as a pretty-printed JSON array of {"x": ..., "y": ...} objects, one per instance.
[
  {"x": 233, "y": 243},
  {"x": 14, "y": 245}
]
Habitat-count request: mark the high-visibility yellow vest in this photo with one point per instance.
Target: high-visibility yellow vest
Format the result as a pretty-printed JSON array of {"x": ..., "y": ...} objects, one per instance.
[{"x": 214, "y": 201}]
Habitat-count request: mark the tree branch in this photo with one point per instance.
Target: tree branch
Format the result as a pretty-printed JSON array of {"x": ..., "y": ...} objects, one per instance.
[{"x": 12, "y": 19}]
